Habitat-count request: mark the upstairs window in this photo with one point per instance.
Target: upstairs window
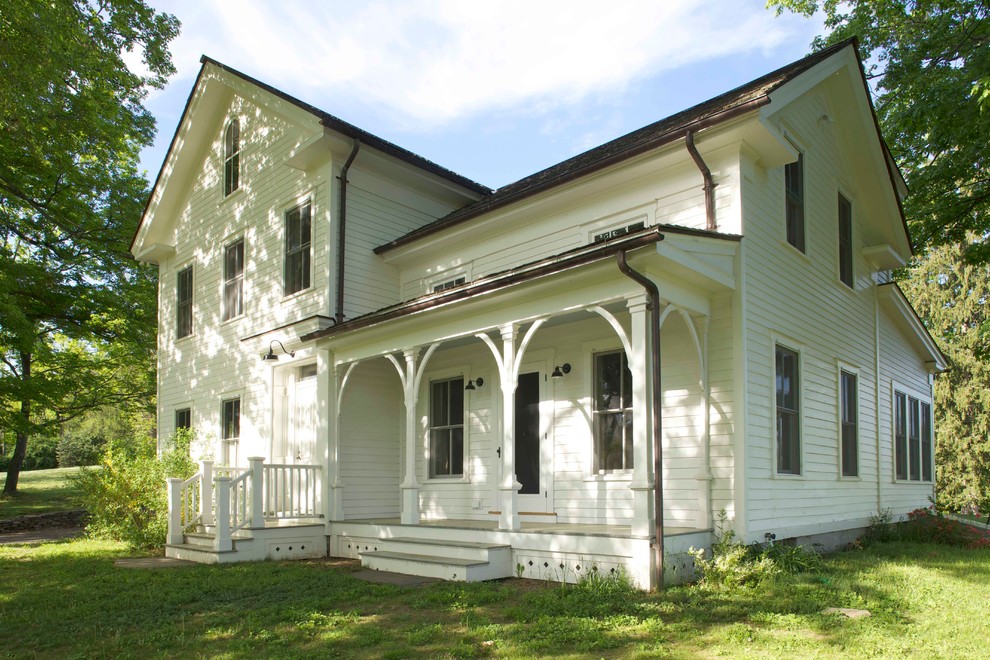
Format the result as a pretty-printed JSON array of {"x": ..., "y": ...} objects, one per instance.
[
  {"x": 794, "y": 195},
  {"x": 231, "y": 157},
  {"x": 184, "y": 302},
  {"x": 848, "y": 398},
  {"x": 233, "y": 280},
  {"x": 298, "y": 237},
  {"x": 612, "y": 414},
  {"x": 788, "y": 412},
  {"x": 447, "y": 428},
  {"x": 912, "y": 438},
  {"x": 845, "y": 242}
]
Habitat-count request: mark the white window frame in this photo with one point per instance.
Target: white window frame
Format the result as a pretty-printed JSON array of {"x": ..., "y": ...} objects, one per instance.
[
  {"x": 231, "y": 184},
  {"x": 230, "y": 445},
  {"x": 799, "y": 349},
  {"x": 839, "y": 197},
  {"x": 594, "y": 413},
  {"x": 304, "y": 201},
  {"x": 239, "y": 279},
  {"x": 188, "y": 267},
  {"x": 923, "y": 399},
  {"x": 436, "y": 377},
  {"x": 842, "y": 367},
  {"x": 801, "y": 164}
]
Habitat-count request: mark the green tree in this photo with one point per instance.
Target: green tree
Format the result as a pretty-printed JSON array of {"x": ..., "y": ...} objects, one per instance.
[
  {"x": 928, "y": 62},
  {"x": 77, "y": 315},
  {"x": 952, "y": 295}
]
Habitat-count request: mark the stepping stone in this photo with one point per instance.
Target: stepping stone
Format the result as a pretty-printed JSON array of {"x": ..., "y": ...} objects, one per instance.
[{"x": 846, "y": 612}]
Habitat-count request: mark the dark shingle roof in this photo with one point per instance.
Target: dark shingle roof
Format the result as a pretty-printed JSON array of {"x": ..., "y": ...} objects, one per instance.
[{"x": 720, "y": 108}]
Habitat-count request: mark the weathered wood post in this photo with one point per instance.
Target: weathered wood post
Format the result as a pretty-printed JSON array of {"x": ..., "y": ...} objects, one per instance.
[
  {"x": 222, "y": 542},
  {"x": 256, "y": 464},
  {"x": 206, "y": 492},
  {"x": 175, "y": 536}
]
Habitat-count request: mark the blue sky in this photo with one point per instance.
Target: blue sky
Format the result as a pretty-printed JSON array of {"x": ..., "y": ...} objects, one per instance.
[{"x": 492, "y": 90}]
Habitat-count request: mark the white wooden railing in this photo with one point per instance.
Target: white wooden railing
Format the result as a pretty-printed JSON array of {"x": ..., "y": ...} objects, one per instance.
[{"x": 233, "y": 498}]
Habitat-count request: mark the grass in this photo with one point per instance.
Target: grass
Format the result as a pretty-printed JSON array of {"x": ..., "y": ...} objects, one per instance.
[
  {"x": 925, "y": 600},
  {"x": 41, "y": 491}
]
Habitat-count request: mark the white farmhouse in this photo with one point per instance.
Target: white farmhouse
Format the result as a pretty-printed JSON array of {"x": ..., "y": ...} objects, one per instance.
[{"x": 383, "y": 359}]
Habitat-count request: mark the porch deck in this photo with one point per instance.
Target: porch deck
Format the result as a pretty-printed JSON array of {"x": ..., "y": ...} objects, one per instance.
[{"x": 570, "y": 529}]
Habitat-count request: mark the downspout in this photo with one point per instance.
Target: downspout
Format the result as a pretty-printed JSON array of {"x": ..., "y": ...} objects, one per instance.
[
  {"x": 709, "y": 185},
  {"x": 653, "y": 294},
  {"x": 341, "y": 231}
]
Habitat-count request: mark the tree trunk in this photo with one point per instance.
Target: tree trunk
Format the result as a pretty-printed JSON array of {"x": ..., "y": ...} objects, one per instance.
[{"x": 20, "y": 448}]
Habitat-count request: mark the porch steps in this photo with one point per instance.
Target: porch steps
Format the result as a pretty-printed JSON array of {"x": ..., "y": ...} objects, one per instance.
[
  {"x": 459, "y": 561},
  {"x": 274, "y": 541}
]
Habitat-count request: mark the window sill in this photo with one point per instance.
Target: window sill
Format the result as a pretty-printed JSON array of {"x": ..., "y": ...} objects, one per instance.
[
  {"x": 298, "y": 294},
  {"x": 624, "y": 475},
  {"x": 232, "y": 197},
  {"x": 848, "y": 478},
  {"x": 232, "y": 320},
  {"x": 796, "y": 251},
  {"x": 788, "y": 477},
  {"x": 911, "y": 482},
  {"x": 447, "y": 481}
]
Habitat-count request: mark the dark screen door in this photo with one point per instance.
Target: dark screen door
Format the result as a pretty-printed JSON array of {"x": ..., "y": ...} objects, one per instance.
[{"x": 528, "y": 433}]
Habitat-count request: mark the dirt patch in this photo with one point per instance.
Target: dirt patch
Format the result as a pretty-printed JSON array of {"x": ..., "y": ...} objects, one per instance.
[{"x": 42, "y": 535}]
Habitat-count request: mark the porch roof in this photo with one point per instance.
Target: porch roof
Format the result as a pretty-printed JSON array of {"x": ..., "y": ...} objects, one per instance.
[{"x": 564, "y": 261}]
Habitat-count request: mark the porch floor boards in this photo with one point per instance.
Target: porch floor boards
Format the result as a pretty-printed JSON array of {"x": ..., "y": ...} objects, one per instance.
[{"x": 586, "y": 529}]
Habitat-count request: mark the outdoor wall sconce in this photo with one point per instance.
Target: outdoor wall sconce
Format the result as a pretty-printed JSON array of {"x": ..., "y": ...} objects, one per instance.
[
  {"x": 271, "y": 352},
  {"x": 559, "y": 372},
  {"x": 474, "y": 384}
]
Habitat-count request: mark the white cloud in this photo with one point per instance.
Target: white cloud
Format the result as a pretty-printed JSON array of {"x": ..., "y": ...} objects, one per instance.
[{"x": 434, "y": 61}]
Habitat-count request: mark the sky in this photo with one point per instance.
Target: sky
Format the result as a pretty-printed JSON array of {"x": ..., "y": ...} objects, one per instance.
[{"x": 494, "y": 91}]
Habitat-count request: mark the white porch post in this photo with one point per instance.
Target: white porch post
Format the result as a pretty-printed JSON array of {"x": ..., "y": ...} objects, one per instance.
[
  {"x": 337, "y": 385},
  {"x": 326, "y": 434},
  {"x": 175, "y": 511},
  {"x": 206, "y": 492},
  {"x": 257, "y": 468},
  {"x": 410, "y": 485},
  {"x": 508, "y": 489},
  {"x": 642, "y": 403},
  {"x": 222, "y": 542},
  {"x": 704, "y": 477}
]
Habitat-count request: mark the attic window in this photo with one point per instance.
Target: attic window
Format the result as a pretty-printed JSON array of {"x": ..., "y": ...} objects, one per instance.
[
  {"x": 443, "y": 286},
  {"x": 231, "y": 157}
]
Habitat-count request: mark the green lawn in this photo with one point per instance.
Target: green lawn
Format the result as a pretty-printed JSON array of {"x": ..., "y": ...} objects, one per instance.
[
  {"x": 67, "y": 599},
  {"x": 41, "y": 491}
]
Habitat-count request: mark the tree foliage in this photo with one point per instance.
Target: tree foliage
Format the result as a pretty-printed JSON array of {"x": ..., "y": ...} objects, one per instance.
[
  {"x": 928, "y": 62},
  {"x": 952, "y": 295},
  {"x": 77, "y": 315}
]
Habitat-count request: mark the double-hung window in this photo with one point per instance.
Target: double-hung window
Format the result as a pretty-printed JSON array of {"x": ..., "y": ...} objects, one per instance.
[
  {"x": 612, "y": 413},
  {"x": 788, "y": 412},
  {"x": 845, "y": 242},
  {"x": 794, "y": 204},
  {"x": 447, "y": 428},
  {"x": 183, "y": 419},
  {"x": 184, "y": 302},
  {"x": 848, "y": 405},
  {"x": 912, "y": 438},
  {"x": 233, "y": 280},
  {"x": 298, "y": 237},
  {"x": 230, "y": 430},
  {"x": 231, "y": 157}
]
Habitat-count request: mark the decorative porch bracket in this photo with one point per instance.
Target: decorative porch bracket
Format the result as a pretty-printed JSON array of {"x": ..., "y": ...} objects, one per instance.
[
  {"x": 508, "y": 360},
  {"x": 411, "y": 377}
]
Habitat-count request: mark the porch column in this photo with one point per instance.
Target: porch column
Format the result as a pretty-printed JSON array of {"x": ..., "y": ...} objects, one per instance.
[
  {"x": 642, "y": 404},
  {"x": 410, "y": 485},
  {"x": 508, "y": 488},
  {"x": 704, "y": 476},
  {"x": 331, "y": 489}
]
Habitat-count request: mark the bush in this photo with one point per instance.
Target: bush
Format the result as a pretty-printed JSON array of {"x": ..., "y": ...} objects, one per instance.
[
  {"x": 731, "y": 564},
  {"x": 76, "y": 449},
  {"x": 127, "y": 499},
  {"x": 40, "y": 454},
  {"x": 929, "y": 526}
]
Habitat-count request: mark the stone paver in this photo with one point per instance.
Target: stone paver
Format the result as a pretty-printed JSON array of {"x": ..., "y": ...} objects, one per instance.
[
  {"x": 396, "y": 579},
  {"x": 151, "y": 562},
  {"x": 39, "y": 535}
]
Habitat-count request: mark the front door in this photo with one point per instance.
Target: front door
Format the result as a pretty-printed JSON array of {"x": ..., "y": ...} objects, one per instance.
[
  {"x": 531, "y": 464},
  {"x": 294, "y": 441}
]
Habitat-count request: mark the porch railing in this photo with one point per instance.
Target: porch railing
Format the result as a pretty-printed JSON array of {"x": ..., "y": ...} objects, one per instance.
[{"x": 232, "y": 498}]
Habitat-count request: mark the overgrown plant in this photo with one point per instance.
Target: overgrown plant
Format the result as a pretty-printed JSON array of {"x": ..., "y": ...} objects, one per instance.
[
  {"x": 126, "y": 498},
  {"x": 731, "y": 563}
]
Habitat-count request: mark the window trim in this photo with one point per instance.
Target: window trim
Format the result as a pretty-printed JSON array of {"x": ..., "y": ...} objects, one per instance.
[
  {"x": 596, "y": 469},
  {"x": 232, "y": 157},
  {"x": 233, "y": 441},
  {"x": 441, "y": 377},
  {"x": 843, "y": 370},
  {"x": 800, "y": 242},
  {"x": 181, "y": 408},
  {"x": 845, "y": 249},
  {"x": 181, "y": 303},
  {"x": 798, "y": 350},
  {"x": 306, "y": 201},
  {"x": 924, "y": 400},
  {"x": 238, "y": 279}
]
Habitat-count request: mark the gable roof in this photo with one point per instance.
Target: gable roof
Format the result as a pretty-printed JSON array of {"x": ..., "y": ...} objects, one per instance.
[{"x": 733, "y": 103}]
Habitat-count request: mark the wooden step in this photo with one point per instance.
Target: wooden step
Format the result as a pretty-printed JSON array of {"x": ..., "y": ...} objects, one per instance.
[{"x": 446, "y": 568}]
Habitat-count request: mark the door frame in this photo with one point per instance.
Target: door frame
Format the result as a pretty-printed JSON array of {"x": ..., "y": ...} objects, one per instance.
[{"x": 539, "y": 361}]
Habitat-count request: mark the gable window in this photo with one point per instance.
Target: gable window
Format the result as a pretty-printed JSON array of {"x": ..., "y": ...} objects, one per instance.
[
  {"x": 788, "y": 412},
  {"x": 450, "y": 284},
  {"x": 233, "y": 280},
  {"x": 183, "y": 419},
  {"x": 848, "y": 398},
  {"x": 298, "y": 236},
  {"x": 794, "y": 196},
  {"x": 231, "y": 157},
  {"x": 612, "y": 414},
  {"x": 447, "y": 428},
  {"x": 912, "y": 438},
  {"x": 184, "y": 302},
  {"x": 845, "y": 242},
  {"x": 230, "y": 430}
]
